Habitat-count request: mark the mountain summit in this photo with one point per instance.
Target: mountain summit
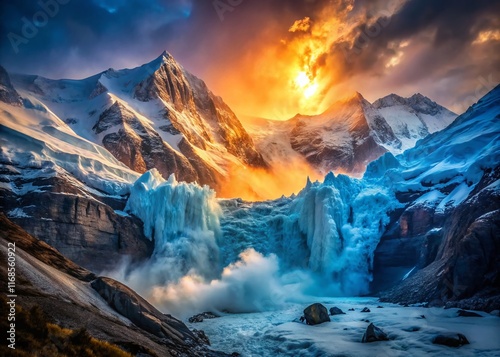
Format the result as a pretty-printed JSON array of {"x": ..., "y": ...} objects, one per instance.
[{"x": 157, "y": 115}]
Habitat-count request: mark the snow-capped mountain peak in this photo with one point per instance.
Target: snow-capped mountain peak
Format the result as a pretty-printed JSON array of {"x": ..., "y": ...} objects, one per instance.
[
  {"x": 156, "y": 115},
  {"x": 413, "y": 118}
]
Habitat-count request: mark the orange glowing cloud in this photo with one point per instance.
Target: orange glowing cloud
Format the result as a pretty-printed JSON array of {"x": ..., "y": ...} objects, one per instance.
[
  {"x": 282, "y": 71},
  {"x": 302, "y": 25}
]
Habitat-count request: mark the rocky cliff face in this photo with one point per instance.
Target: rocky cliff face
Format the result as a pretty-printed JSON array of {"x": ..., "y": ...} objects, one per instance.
[
  {"x": 138, "y": 146},
  {"x": 83, "y": 226},
  {"x": 7, "y": 92},
  {"x": 210, "y": 119},
  {"x": 456, "y": 261},
  {"x": 443, "y": 246},
  {"x": 342, "y": 138}
]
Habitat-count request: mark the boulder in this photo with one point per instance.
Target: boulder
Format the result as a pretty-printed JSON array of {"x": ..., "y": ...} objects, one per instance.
[
  {"x": 316, "y": 314},
  {"x": 465, "y": 313},
  {"x": 450, "y": 340},
  {"x": 336, "y": 311},
  {"x": 366, "y": 310},
  {"x": 373, "y": 334}
]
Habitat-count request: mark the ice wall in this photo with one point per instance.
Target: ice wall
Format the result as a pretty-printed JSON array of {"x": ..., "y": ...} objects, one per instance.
[
  {"x": 183, "y": 221},
  {"x": 252, "y": 256},
  {"x": 330, "y": 229}
]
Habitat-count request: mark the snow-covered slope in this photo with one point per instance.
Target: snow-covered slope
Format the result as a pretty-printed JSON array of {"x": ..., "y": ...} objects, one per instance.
[
  {"x": 456, "y": 156},
  {"x": 153, "y": 116},
  {"x": 34, "y": 139},
  {"x": 65, "y": 189},
  {"x": 351, "y": 133}
]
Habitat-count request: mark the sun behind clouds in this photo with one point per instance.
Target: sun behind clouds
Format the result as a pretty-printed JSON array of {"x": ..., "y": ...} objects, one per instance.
[{"x": 305, "y": 85}]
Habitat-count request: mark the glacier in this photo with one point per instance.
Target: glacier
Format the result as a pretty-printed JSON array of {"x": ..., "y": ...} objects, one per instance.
[
  {"x": 242, "y": 256},
  {"x": 329, "y": 229}
]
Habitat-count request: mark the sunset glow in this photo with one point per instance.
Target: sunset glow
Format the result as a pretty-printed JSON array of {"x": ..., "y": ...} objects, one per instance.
[
  {"x": 250, "y": 178},
  {"x": 302, "y": 80}
]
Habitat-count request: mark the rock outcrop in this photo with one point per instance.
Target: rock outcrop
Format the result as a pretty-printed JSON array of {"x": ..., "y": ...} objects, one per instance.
[
  {"x": 140, "y": 147},
  {"x": 41, "y": 250},
  {"x": 73, "y": 219},
  {"x": 131, "y": 305},
  {"x": 459, "y": 264},
  {"x": 373, "y": 334},
  {"x": 61, "y": 289},
  {"x": 202, "y": 316},
  {"x": 8, "y": 94}
]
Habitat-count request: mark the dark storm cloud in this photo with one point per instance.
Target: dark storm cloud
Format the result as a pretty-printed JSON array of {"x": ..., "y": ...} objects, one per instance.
[
  {"x": 448, "y": 27},
  {"x": 84, "y": 36},
  {"x": 80, "y": 36},
  {"x": 438, "y": 43}
]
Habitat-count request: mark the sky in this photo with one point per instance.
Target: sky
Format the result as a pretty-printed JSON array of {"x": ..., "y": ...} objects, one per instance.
[{"x": 269, "y": 58}]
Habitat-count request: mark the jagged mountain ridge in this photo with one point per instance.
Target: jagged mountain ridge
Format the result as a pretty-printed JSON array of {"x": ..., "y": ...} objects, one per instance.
[
  {"x": 154, "y": 116},
  {"x": 352, "y": 132}
]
